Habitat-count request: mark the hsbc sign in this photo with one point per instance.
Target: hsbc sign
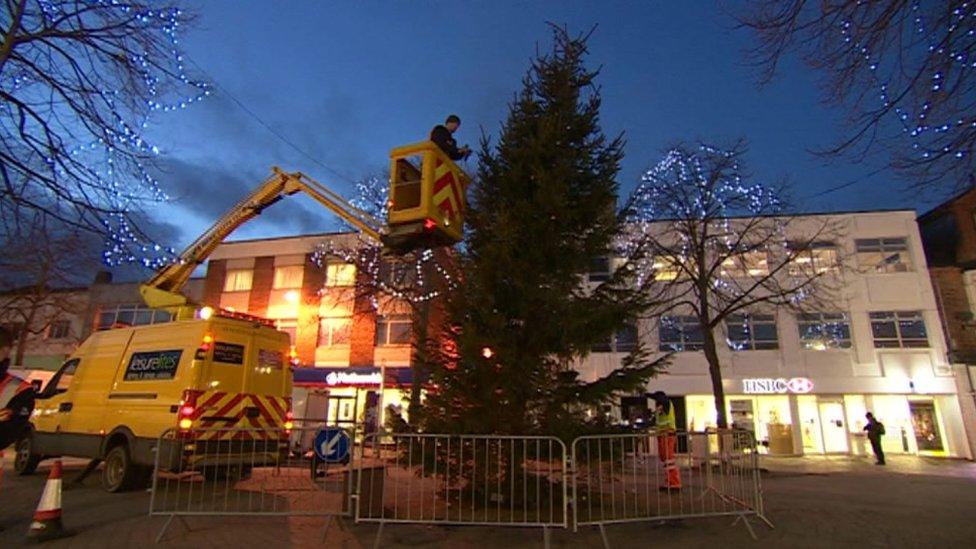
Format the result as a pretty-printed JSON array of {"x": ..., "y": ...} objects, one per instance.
[{"x": 776, "y": 386}]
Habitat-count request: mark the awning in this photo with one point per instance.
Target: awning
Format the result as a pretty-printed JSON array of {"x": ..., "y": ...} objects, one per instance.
[{"x": 352, "y": 376}]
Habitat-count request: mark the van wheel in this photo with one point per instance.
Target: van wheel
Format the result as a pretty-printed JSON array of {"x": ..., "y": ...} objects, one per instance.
[
  {"x": 119, "y": 473},
  {"x": 25, "y": 461}
]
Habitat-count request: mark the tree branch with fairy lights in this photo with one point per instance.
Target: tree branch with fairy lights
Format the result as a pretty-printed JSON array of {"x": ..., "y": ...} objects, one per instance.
[
  {"x": 79, "y": 83},
  {"x": 905, "y": 71},
  {"x": 727, "y": 254}
]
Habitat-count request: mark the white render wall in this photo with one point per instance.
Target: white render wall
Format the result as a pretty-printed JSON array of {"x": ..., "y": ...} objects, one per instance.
[{"x": 862, "y": 369}]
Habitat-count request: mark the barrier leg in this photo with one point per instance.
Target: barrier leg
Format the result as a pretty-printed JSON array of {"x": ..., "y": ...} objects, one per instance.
[
  {"x": 159, "y": 537},
  {"x": 603, "y": 536},
  {"x": 545, "y": 537},
  {"x": 379, "y": 533},
  {"x": 325, "y": 528},
  {"x": 745, "y": 521}
]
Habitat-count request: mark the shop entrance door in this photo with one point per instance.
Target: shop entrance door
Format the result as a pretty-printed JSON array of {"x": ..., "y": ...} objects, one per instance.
[
  {"x": 926, "y": 426},
  {"x": 834, "y": 427}
]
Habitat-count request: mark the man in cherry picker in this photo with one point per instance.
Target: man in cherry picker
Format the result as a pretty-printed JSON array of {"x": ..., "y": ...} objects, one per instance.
[{"x": 442, "y": 135}]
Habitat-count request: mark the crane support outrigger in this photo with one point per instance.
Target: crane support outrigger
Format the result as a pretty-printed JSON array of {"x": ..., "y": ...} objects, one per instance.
[{"x": 162, "y": 291}]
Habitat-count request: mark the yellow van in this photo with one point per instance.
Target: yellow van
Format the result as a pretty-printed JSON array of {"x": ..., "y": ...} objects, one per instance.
[{"x": 123, "y": 388}]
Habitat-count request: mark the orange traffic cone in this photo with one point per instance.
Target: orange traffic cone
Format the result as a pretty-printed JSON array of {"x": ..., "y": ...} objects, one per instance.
[{"x": 47, "y": 519}]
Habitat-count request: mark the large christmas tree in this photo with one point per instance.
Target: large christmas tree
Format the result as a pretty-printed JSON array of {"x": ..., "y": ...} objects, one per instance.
[{"x": 542, "y": 211}]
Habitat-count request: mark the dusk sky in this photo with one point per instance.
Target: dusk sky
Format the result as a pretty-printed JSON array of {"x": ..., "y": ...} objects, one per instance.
[{"x": 348, "y": 81}]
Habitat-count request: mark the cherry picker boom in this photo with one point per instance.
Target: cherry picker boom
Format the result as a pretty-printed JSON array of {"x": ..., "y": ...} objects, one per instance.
[{"x": 426, "y": 209}]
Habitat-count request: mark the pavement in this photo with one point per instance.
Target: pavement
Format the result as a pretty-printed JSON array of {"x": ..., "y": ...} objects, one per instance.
[{"x": 812, "y": 501}]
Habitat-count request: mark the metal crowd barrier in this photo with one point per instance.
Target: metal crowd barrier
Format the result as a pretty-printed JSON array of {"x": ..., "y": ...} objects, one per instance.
[
  {"x": 646, "y": 477},
  {"x": 462, "y": 480},
  {"x": 245, "y": 472}
]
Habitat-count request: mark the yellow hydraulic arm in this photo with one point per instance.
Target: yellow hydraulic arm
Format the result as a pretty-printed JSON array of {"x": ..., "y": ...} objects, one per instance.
[{"x": 162, "y": 291}]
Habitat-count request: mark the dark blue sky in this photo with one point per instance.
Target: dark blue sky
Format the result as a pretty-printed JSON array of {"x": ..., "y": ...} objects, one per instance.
[{"x": 347, "y": 81}]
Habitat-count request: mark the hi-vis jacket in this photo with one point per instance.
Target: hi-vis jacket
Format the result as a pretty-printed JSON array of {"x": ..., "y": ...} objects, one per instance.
[{"x": 665, "y": 420}]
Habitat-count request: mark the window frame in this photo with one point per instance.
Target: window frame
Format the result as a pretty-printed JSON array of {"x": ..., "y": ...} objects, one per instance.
[
  {"x": 329, "y": 323},
  {"x": 387, "y": 322},
  {"x": 736, "y": 265},
  {"x": 613, "y": 345},
  {"x": 60, "y": 323},
  {"x": 281, "y": 281},
  {"x": 807, "y": 250},
  {"x": 232, "y": 275},
  {"x": 885, "y": 245},
  {"x": 896, "y": 318},
  {"x": 683, "y": 324},
  {"x": 601, "y": 275},
  {"x": 332, "y": 278},
  {"x": 840, "y": 344},
  {"x": 753, "y": 320},
  {"x": 157, "y": 316}
]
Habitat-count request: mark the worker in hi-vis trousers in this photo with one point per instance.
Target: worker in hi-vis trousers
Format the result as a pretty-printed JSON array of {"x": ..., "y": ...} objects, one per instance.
[{"x": 667, "y": 440}]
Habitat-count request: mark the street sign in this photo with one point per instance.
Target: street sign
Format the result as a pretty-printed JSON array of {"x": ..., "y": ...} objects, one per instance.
[{"x": 332, "y": 444}]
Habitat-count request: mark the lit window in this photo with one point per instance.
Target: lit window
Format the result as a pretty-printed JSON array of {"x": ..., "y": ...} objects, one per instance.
[
  {"x": 746, "y": 264},
  {"x": 812, "y": 258},
  {"x": 623, "y": 341},
  {"x": 666, "y": 267},
  {"x": 238, "y": 280},
  {"x": 340, "y": 274},
  {"x": 822, "y": 331},
  {"x": 393, "y": 330},
  {"x": 59, "y": 329},
  {"x": 398, "y": 274},
  {"x": 334, "y": 331},
  {"x": 680, "y": 333},
  {"x": 288, "y": 277},
  {"x": 290, "y": 327},
  {"x": 898, "y": 329},
  {"x": 751, "y": 332},
  {"x": 883, "y": 255}
]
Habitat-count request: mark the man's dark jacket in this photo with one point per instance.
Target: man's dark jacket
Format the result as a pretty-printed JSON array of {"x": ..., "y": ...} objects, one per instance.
[{"x": 445, "y": 140}]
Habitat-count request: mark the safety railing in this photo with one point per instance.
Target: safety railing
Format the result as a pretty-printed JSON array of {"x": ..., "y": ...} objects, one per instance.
[
  {"x": 462, "y": 480},
  {"x": 665, "y": 476},
  {"x": 210, "y": 472}
]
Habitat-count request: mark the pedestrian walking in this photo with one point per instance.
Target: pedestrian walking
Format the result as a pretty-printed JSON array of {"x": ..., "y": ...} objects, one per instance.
[
  {"x": 875, "y": 429},
  {"x": 667, "y": 440}
]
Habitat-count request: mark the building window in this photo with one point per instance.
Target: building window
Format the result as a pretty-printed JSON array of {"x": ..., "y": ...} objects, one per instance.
[
  {"x": 751, "y": 332},
  {"x": 883, "y": 255},
  {"x": 340, "y": 274},
  {"x": 59, "y": 329},
  {"x": 393, "y": 330},
  {"x": 822, "y": 331},
  {"x": 746, "y": 264},
  {"x": 288, "y": 277},
  {"x": 335, "y": 331},
  {"x": 398, "y": 274},
  {"x": 623, "y": 340},
  {"x": 666, "y": 267},
  {"x": 898, "y": 329},
  {"x": 680, "y": 333},
  {"x": 238, "y": 280},
  {"x": 599, "y": 269},
  {"x": 130, "y": 315},
  {"x": 290, "y": 327},
  {"x": 813, "y": 258}
]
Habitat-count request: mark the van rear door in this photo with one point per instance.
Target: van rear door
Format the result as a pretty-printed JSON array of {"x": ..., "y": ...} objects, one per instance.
[
  {"x": 224, "y": 396},
  {"x": 269, "y": 377}
]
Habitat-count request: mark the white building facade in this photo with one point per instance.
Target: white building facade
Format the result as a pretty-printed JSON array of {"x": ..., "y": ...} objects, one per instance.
[{"x": 802, "y": 393}]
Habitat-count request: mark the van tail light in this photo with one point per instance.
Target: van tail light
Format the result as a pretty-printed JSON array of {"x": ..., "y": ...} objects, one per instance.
[
  {"x": 187, "y": 408},
  {"x": 205, "y": 345},
  {"x": 289, "y": 420},
  {"x": 293, "y": 356}
]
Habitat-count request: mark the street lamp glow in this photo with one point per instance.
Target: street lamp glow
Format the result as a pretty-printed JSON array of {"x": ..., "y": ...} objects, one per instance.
[{"x": 487, "y": 352}]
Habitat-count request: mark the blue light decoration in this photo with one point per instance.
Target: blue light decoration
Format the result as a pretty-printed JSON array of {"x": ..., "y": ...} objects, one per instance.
[
  {"x": 932, "y": 135},
  {"x": 372, "y": 197},
  {"x": 136, "y": 72}
]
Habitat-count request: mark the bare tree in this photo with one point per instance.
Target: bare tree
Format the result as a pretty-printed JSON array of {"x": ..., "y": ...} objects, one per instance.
[
  {"x": 725, "y": 251},
  {"x": 41, "y": 269},
  {"x": 903, "y": 68},
  {"x": 413, "y": 283},
  {"x": 79, "y": 80}
]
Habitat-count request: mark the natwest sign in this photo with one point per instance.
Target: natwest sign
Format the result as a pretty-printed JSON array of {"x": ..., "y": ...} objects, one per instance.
[
  {"x": 353, "y": 378},
  {"x": 776, "y": 385}
]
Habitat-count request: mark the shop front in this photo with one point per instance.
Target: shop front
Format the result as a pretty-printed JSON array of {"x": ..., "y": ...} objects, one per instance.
[
  {"x": 790, "y": 416},
  {"x": 350, "y": 395}
]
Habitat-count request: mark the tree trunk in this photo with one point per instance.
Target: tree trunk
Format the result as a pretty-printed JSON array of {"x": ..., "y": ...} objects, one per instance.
[{"x": 715, "y": 372}]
